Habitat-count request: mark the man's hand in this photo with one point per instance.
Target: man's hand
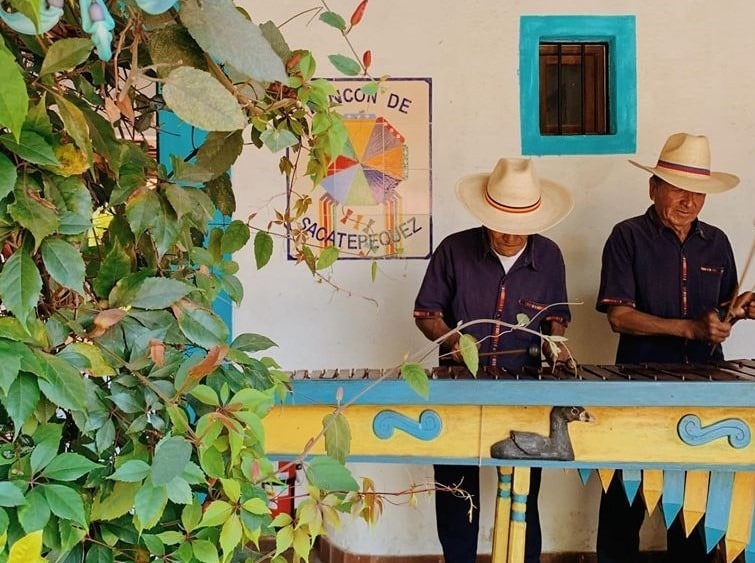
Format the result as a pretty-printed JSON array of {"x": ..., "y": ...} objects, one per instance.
[
  {"x": 743, "y": 307},
  {"x": 710, "y": 328}
]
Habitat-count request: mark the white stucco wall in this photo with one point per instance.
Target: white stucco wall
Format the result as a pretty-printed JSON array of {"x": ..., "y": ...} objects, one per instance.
[{"x": 694, "y": 74}]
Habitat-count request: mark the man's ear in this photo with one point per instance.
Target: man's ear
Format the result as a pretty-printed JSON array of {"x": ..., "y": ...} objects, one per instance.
[{"x": 652, "y": 187}]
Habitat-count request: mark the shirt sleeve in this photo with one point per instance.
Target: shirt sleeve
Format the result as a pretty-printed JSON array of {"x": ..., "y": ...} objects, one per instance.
[
  {"x": 560, "y": 313},
  {"x": 438, "y": 286},
  {"x": 617, "y": 285},
  {"x": 729, "y": 281}
]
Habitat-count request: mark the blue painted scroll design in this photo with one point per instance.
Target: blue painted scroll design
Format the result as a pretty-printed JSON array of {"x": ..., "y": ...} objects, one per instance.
[
  {"x": 693, "y": 433},
  {"x": 387, "y": 421}
]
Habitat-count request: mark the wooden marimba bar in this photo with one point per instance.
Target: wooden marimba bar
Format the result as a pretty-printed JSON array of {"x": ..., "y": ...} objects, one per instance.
[{"x": 681, "y": 435}]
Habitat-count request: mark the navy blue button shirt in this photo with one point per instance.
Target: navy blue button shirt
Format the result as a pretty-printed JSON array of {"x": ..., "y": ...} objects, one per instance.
[
  {"x": 647, "y": 267},
  {"x": 465, "y": 281}
]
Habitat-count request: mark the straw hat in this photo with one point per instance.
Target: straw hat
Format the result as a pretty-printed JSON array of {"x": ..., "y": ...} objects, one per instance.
[
  {"x": 685, "y": 163},
  {"x": 513, "y": 200}
]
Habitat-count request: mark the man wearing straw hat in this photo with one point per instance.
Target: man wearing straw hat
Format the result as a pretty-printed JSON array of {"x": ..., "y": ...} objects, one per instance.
[
  {"x": 500, "y": 270},
  {"x": 666, "y": 281}
]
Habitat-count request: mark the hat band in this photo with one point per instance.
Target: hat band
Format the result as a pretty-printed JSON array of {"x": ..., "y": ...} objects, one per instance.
[
  {"x": 511, "y": 208},
  {"x": 683, "y": 168}
]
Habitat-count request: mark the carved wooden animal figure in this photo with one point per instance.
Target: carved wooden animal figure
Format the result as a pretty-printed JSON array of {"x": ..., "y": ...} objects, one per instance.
[{"x": 531, "y": 445}]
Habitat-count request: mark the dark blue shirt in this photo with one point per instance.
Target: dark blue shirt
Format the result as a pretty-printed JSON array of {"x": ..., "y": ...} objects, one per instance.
[
  {"x": 647, "y": 267},
  {"x": 465, "y": 281}
]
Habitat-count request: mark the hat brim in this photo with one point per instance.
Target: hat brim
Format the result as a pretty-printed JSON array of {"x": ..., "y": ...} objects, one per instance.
[
  {"x": 716, "y": 183},
  {"x": 555, "y": 204}
]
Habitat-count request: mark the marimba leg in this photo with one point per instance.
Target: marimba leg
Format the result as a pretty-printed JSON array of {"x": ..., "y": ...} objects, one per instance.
[
  {"x": 502, "y": 518},
  {"x": 518, "y": 524}
]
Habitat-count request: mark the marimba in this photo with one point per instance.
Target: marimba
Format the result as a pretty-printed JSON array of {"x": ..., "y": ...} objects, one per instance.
[{"x": 680, "y": 434}]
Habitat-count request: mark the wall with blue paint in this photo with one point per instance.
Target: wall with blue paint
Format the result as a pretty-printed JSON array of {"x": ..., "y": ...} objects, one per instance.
[{"x": 693, "y": 74}]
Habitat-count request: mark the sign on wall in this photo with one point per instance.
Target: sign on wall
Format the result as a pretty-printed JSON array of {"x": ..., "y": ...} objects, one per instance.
[{"x": 375, "y": 200}]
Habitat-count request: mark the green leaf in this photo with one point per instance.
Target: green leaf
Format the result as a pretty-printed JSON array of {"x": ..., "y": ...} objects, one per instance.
[
  {"x": 373, "y": 270},
  {"x": 327, "y": 257},
  {"x": 10, "y": 362},
  {"x": 75, "y": 123},
  {"x": 159, "y": 293},
  {"x": 469, "y": 353},
  {"x": 65, "y": 503},
  {"x": 278, "y": 139},
  {"x": 522, "y": 319},
  {"x": 47, "y": 439},
  {"x": 73, "y": 202},
  {"x": 35, "y": 513},
  {"x": 216, "y": 513},
  {"x": 179, "y": 491},
  {"x": 31, "y": 9},
  {"x": 14, "y": 100},
  {"x": 371, "y": 87},
  {"x": 333, "y": 20},
  {"x": 114, "y": 267},
  {"x": 8, "y": 176},
  {"x": 149, "y": 504},
  {"x": 250, "y": 342},
  {"x": 345, "y": 65},
  {"x": 22, "y": 397},
  {"x": 10, "y": 495},
  {"x": 64, "y": 263},
  {"x": 33, "y": 215},
  {"x": 201, "y": 326},
  {"x": 219, "y": 151},
  {"x": 171, "y": 456},
  {"x": 38, "y": 120},
  {"x": 117, "y": 503},
  {"x": 200, "y": 100},
  {"x": 171, "y": 537},
  {"x": 205, "y": 551},
  {"x": 263, "y": 248},
  {"x": 230, "y": 534},
  {"x": 416, "y": 378},
  {"x": 66, "y": 54},
  {"x": 31, "y": 147},
  {"x": 235, "y": 236},
  {"x": 142, "y": 210},
  {"x": 68, "y": 466},
  {"x": 337, "y": 436},
  {"x": 205, "y": 394},
  {"x": 230, "y": 38},
  {"x": 328, "y": 474},
  {"x": 62, "y": 383},
  {"x": 220, "y": 191}
]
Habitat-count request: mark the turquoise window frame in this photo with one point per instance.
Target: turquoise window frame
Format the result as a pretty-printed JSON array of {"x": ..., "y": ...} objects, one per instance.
[
  {"x": 179, "y": 138},
  {"x": 619, "y": 32}
]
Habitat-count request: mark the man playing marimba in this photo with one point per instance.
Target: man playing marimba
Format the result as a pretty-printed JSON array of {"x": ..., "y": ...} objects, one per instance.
[
  {"x": 500, "y": 271},
  {"x": 665, "y": 281}
]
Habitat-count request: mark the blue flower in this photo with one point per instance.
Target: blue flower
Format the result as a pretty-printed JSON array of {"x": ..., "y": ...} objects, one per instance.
[
  {"x": 49, "y": 15},
  {"x": 155, "y": 7},
  {"x": 98, "y": 23}
]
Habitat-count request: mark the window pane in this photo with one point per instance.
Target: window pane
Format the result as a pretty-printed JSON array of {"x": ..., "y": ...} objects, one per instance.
[{"x": 573, "y": 92}]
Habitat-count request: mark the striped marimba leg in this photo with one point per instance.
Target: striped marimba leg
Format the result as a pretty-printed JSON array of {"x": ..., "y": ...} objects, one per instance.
[
  {"x": 502, "y": 519},
  {"x": 518, "y": 524}
]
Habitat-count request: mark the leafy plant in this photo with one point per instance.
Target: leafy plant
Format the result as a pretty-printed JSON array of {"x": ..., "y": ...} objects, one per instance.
[{"x": 130, "y": 423}]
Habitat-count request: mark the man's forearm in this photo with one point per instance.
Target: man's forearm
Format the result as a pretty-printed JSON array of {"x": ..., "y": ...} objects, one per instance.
[
  {"x": 626, "y": 320},
  {"x": 435, "y": 327}
]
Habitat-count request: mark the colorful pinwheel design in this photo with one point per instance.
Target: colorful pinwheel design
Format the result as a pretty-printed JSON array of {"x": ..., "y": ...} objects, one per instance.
[{"x": 374, "y": 162}]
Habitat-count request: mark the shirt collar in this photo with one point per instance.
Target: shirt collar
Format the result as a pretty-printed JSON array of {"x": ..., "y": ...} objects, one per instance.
[
  {"x": 697, "y": 228},
  {"x": 527, "y": 259}
]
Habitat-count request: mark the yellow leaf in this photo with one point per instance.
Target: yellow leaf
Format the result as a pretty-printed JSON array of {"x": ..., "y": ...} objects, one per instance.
[
  {"x": 27, "y": 549},
  {"x": 283, "y": 539},
  {"x": 302, "y": 544}
]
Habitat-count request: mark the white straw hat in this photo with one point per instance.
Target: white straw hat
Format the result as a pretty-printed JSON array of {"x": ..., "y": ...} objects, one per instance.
[
  {"x": 513, "y": 200},
  {"x": 685, "y": 163}
]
